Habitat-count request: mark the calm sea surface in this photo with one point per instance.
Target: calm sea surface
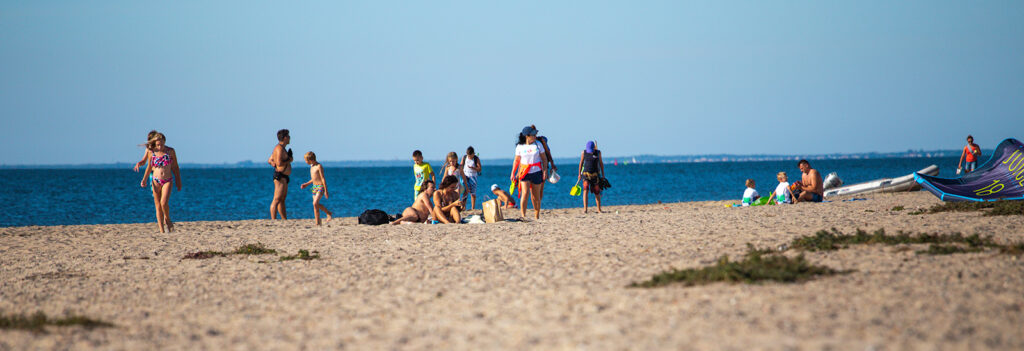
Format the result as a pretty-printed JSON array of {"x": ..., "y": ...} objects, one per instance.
[{"x": 101, "y": 196}]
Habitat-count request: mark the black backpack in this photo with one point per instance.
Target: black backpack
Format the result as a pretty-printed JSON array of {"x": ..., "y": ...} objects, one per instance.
[{"x": 374, "y": 217}]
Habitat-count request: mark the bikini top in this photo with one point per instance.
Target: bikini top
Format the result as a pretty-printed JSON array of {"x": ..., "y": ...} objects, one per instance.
[{"x": 161, "y": 161}]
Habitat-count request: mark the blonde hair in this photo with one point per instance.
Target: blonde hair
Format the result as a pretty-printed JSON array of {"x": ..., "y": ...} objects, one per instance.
[
  {"x": 310, "y": 156},
  {"x": 782, "y": 176},
  {"x": 148, "y": 136},
  {"x": 153, "y": 137},
  {"x": 453, "y": 156},
  {"x": 750, "y": 183}
]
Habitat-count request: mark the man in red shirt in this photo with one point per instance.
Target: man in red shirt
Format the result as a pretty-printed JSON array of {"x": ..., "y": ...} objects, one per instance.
[{"x": 969, "y": 157}]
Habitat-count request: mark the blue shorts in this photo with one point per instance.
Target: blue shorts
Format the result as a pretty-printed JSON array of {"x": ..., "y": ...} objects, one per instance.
[
  {"x": 535, "y": 178},
  {"x": 969, "y": 167},
  {"x": 815, "y": 197},
  {"x": 470, "y": 185}
]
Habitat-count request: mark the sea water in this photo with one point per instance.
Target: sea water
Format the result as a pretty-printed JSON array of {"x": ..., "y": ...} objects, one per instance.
[{"x": 102, "y": 196}]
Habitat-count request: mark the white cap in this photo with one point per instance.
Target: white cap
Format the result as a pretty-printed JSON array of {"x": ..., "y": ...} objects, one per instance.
[{"x": 494, "y": 187}]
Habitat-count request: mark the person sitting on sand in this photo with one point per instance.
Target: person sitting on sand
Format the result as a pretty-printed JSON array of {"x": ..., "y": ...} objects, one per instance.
[
  {"x": 504, "y": 198},
  {"x": 750, "y": 194},
  {"x": 420, "y": 210},
  {"x": 811, "y": 187},
  {"x": 447, "y": 205},
  {"x": 319, "y": 188},
  {"x": 782, "y": 193}
]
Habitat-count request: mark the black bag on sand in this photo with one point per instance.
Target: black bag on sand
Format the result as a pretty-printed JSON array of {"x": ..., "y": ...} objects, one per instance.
[{"x": 374, "y": 217}]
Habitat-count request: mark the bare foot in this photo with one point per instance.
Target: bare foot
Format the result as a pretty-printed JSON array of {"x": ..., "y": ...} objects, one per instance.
[
  {"x": 329, "y": 218},
  {"x": 170, "y": 227}
]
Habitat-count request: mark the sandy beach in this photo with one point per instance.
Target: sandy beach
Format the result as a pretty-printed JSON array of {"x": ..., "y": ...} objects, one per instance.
[{"x": 556, "y": 283}]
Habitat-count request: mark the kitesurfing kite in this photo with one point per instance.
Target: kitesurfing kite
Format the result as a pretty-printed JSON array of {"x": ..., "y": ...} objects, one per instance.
[{"x": 999, "y": 178}]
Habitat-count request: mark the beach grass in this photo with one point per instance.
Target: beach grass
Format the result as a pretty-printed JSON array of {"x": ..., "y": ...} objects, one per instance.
[
  {"x": 940, "y": 244},
  {"x": 38, "y": 321},
  {"x": 998, "y": 208},
  {"x": 897, "y": 208},
  {"x": 254, "y": 249},
  {"x": 940, "y": 249},
  {"x": 831, "y": 240},
  {"x": 757, "y": 265},
  {"x": 247, "y": 249},
  {"x": 302, "y": 255}
]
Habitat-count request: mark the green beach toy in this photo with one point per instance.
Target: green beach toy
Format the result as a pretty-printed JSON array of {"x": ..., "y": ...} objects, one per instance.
[
  {"x": 576, "y": 190},
  {"x": 512, "y": 188}
]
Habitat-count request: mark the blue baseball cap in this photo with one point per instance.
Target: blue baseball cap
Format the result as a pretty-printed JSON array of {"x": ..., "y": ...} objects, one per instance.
[{"x": 529, "y": 130}]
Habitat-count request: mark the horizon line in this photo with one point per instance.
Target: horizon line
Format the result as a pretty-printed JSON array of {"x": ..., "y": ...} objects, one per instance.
[{"x": 658, "y": 159}]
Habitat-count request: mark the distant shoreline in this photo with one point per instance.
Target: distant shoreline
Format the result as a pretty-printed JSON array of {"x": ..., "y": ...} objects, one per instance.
[{"x": 639, "y": 159}]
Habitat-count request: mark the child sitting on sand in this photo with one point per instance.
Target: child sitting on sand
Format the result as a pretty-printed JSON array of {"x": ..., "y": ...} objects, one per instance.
[
  {"x": 319, "y": 188},
  {"x": 504, "y": 198},
  {"x": 750, "y": 195},
  {"x": 782, "y": 193}
]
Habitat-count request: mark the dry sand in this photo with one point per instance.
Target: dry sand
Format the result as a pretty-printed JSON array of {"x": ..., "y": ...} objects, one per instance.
[{"x": 556, "y": 283}]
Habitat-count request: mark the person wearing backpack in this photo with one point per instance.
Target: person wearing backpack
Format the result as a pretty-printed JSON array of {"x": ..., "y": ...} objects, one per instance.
[
  {"x": 471, "y": 168},
  {"x": 591, "y": 171}
]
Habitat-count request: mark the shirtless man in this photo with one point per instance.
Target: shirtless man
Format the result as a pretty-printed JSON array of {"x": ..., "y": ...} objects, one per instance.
[
  {"x": 811, "y": 185},
  {"x": 281, "y": 159},
  {"x": 421, "y": 209},
  {"x": 447, "y": 206}
]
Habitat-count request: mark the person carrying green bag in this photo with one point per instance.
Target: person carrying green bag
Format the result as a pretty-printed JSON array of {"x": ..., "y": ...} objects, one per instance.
[{"x": 591, "y": 171}]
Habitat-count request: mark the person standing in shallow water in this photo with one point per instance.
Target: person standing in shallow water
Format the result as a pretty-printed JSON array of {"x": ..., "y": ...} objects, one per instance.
[
  {"x": 163, "y": 164},
  {"x": 281, "y": 160}
]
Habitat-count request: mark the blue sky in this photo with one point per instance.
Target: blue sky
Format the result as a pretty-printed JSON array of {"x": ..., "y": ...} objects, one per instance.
[{"x": 82, "y": 82}]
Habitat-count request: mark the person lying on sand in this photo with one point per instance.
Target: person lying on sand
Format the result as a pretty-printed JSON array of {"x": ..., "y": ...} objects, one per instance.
[
  {"x": 421, "y": 208},
  {"x": 447, "y": 206},
  {"x": 504, "y": 198}
]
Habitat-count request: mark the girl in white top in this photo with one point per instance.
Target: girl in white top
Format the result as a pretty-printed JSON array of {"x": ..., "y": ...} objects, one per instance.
[
  {"x": 750, "y": 195},
  {"x": 782, "y": 193},
  {"x": 528, "y": 170}
]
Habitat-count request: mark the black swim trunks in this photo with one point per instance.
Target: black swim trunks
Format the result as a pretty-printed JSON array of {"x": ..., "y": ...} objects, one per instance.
[
  {"x": 535, "y": 178},
  {"x": 282, "y": 177}
]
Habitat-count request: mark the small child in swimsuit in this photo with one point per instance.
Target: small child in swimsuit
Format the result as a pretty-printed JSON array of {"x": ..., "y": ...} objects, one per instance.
[
  {"x": 319, "y": 187},
  {"x": 504, "y": 199}
]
